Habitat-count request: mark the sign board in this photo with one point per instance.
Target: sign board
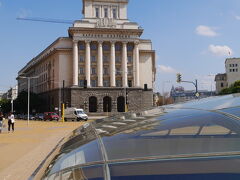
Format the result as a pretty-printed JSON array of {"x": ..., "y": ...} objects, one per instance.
[{"x": 197, "y": 94}]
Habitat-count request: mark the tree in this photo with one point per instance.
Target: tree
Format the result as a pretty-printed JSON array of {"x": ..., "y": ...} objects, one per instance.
[
  {"x": 21, "y": 103},
  {"x": 235, "y": 88},
  {"x": 165, "y": 101},
  {"x": 5, "y": 105}
]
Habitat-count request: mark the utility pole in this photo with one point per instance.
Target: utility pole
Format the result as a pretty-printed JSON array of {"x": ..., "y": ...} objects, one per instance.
[
  {"x": 179, "y": 80},
  {"x": 63, "y": 101}
]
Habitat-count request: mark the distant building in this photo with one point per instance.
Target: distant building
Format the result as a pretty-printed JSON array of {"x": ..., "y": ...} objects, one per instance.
[
  {"x": 103, "y": 62},
  {"x": 232, "y": 66},
  {"x": 12, "y": 94},
  {"x": 221, "y": 82},
  {"x": 232, "y": 69},
  {"x": 180, "y": 95}
]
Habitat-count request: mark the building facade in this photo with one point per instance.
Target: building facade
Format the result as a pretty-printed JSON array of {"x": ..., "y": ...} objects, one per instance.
[
  {"x": 100, "y": 67},
  {"x": 232, "y": 66},
  {"x": 221, "y": 82},
  {"x": 12, "y": 93}
]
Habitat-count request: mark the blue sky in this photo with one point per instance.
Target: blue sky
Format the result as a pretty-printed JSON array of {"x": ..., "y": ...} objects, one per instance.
[{"x": 192, "y": 37}]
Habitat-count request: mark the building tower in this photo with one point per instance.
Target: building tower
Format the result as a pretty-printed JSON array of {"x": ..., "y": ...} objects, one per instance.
[{"x": 103, "y": 62}]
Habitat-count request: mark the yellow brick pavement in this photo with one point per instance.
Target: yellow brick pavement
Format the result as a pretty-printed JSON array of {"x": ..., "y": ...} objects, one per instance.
[{"x": 22, "y": 151}]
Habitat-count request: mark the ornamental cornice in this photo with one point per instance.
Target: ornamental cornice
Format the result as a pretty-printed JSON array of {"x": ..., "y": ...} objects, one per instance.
[{"x": 73, "y": 30}]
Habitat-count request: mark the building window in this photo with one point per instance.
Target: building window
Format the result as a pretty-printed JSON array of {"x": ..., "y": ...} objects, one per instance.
[
  {"x": 130, "y": 71},
  {"x": 81, "y": 83},
  {"x": 106, "y": 12},
  {"x": 105, "y": 58},
  {"x": 236, "y": 70},
  {"x": 81, "y": 58},
  {"x": 222, "y": 84},
  {"x": 93, "y": 71},
  {"x": 93, "y": 47},
  {"x": 118, "y": 71},
  {"x": 236, "y": 65},
  {"x": 233, "y": 70},
  {"x": 115, "y": 13},
  {"x": 118, "y": 59},
  {"x": 130, "y": 47},
  {"x": 106, "y": 47},
  {"x": 129, "y": 59},
  {"x": 93, "y": 58},
  {"x": 93, "y": 83},
  {"x": 97, "y": 12},
  {"x": 230, "y": 70},
  {"x": 106, "y": 83},
  {"x": 81, "y": 70},
  {"x": 105, "y": 71},
  {"x": 118, "y": 47},
  {"x": 81, "y": 46},
  {"x": 118, "y": 83}
]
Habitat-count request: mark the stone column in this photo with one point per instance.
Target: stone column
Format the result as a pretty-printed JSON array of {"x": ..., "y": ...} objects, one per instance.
[
  {"x": 75, "y": 63},
  {"x": 124, "y": 65},
  {"x": 100, "y": 64},
  {"x": 113, "y": 65},
  {"x": 136, "y": 65},
  {"x": 88, "y": 64}
]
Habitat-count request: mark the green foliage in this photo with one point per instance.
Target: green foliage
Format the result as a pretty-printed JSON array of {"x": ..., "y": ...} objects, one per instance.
[
  {"x": 235, "y": 88},
  {"x": 5, "y": 105},
  {"x": 21, "y": 103}
]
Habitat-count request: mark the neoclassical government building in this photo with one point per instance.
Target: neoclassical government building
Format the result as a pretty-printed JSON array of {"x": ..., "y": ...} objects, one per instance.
[{"x": 103, "y": 63}]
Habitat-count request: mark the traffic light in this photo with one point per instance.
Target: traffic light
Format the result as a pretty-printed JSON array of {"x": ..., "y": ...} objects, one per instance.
[{"x": 179, "y": 78}]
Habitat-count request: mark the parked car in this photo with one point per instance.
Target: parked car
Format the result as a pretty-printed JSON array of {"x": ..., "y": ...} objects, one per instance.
[
  {"x": 51, "y": 116},
  {"x": 39, "y": 116},
  {"x": 75, "y": 114},
  {"x": 31, "y": 117},
  {"x": 193, "y": 141},
  {"x": 21, "y": 116}
]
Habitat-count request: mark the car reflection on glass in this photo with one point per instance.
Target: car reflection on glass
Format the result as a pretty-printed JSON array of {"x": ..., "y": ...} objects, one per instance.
[{"x": 199, "y": 140}]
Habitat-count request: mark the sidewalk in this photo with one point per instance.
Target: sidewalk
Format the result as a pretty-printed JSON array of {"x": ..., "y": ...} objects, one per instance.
[{"x": 21, "y": 152}]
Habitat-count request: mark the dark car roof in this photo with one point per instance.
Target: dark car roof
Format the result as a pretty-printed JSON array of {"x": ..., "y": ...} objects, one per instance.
[{"x": 202, "y": 128}]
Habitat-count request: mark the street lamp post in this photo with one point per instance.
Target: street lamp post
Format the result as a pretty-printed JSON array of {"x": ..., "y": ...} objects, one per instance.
[{"x": 29, "y": 80}]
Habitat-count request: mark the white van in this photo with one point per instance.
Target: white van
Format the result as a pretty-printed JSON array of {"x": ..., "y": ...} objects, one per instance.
[{"x": 75, "y": 114}]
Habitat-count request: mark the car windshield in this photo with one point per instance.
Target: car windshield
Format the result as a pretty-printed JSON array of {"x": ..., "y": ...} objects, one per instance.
[
  {"x": 172, "y": 134},
  {"x": 80, "y": 112}
]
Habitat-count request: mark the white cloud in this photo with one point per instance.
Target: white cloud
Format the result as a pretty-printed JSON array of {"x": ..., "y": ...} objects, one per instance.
[
  {"x": 166, "y": 69},
  {"x": 206, "y": 31},
  {"x": 237, "y": 17},
  {"x": 220, "y": 50}
]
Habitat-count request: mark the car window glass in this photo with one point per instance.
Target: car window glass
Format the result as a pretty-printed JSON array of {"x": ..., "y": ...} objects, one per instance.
[
  {"x": 205, "y": 132},
  {"x": 67, "y": 175},
  {"x": 80, "y": 155},
  {"x": 235, "y": 111},
  {"x": 88, "y": 173}
]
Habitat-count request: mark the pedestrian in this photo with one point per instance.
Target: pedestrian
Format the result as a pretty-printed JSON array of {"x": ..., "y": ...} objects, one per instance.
[
  {"x": 11, "y": 122},
  {"x": 1, "y": 122}
]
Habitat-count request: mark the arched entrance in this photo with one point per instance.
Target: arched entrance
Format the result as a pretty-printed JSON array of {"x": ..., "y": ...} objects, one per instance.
[
  {"x": 107, "y": 104},
  {"x": 121, "y": 104},
  {"x": 93, "y": 104}
]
